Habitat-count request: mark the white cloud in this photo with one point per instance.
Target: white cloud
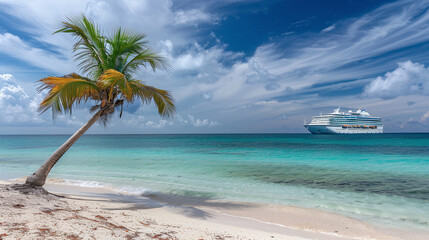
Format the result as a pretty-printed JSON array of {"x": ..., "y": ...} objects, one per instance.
[
  {"x": 14, "y": 46},
  {"x": 193, "y": 17},
  {"x": 424, "y": 117},
  {"x": 7, "y": 78},
  {"x": 160, "y": 124},
  {"x": 356, "y": 53},
  {"x": 154, "y": 18},
  {"x": 167, "y": 46},
  {"x": 189, "y": 61},
  {"x": 181, "y": 120},
  {"x": 328, "y": 29},
  {"x": 18, "y": 108},
  {"x": 134, "y": 121},
  {"x": 207, "y": 96},
  {"x": 409, "y": 78},
  {"x": 157, "y": 19},
  {"x": 266, "y": 103},
  {"x": 140, "y": 122},
  {"x": 242, "y": 84},
  {"x": 15, "y": 104},
  {"x": 204, "y": 60},
  {"x": 70, "y": 121},
  {"x": 202, "y": 122}
]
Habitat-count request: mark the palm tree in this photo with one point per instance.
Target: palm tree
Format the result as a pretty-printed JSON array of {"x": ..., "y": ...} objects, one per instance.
[{"x": 108, "y": 63}]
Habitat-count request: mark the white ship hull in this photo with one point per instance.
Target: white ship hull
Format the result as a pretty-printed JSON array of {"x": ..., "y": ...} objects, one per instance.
[
  {"x": 359, "y": 122},
  {"x": 325, "y": 129}
]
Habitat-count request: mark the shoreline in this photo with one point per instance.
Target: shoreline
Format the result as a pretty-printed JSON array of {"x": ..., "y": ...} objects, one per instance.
[{"x": 206, "y": 217}]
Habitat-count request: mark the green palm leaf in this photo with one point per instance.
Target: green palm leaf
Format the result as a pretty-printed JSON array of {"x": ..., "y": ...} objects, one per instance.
[
  {"x": 162, "y": 98},
  {"x": 145, "y": 58},
  {"x": 90, "y": 49}
]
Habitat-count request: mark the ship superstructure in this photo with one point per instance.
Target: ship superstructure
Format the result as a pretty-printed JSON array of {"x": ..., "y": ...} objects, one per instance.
[{"x": 359, "y": 122}]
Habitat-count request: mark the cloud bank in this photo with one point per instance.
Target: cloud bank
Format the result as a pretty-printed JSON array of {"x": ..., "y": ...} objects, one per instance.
[
  {"x": 408, "y": 79},
  {"x": 15, "y": 105}
]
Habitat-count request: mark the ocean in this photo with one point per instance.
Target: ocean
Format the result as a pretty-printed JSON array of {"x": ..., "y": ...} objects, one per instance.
[{"x": 375, "y": 178}]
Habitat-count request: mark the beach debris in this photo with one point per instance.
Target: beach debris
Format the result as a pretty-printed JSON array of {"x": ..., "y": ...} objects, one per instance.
[
  {"x": 148, "y": 222},
  {"x": 18, "y": 206},
  {"x": 163, "y": 235},
  {"x": 218, "y": 237},
  {"x": 145, "y": 224},
  {"x": 21, "y": 227},
  {"x": 101, "y": 217},
  {"x": 133, "y": 236},
  {"x": 73, "y": 237},
  {"x": 47, "y": 210}
]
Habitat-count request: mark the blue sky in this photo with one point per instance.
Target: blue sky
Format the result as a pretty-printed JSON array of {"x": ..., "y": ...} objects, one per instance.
[{"x": 237, "y": 66}]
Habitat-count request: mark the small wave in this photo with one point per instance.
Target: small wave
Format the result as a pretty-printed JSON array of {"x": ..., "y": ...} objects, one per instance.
[
  {"x": 415, "y": 221},
  {"x": 135, "y": 190},
  {"x": 94, "y": 184},
  {"x": 19, "y": 179}
]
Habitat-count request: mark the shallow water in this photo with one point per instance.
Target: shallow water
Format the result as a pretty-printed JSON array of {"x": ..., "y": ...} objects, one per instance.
[{"x": 380, "y": 178}]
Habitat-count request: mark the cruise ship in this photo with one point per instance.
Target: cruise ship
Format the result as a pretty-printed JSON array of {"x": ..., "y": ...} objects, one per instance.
[{"x": 359, "y": 122}]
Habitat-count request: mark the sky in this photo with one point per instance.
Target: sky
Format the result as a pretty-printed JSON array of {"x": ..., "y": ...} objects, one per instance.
[{"x": 236, "y": 66}]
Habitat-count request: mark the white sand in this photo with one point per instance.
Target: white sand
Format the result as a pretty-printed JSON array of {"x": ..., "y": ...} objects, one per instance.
[{"x": 96, "y": 213}]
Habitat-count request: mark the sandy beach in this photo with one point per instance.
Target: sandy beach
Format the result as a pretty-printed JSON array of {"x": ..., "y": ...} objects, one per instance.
[{"x": 97, "y": 213}]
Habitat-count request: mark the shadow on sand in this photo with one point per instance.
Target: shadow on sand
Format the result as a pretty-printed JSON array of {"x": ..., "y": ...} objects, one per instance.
[{"x": 180, "y": 203}]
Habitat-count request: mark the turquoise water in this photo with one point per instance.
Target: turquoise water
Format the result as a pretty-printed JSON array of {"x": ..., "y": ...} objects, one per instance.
[{"x": 378, "y": 178}]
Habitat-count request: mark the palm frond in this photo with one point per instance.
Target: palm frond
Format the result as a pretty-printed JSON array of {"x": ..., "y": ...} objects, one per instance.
[
  {"x": 104, "y": 119},
  {"x": 94, "y": 108},
  {"x": 66, "y": 91},
  {"x": 123, "y": 44},
  {"x": 115, "y": 83},
  {"x": 145, "y": 58},
  {"x": 162, "y": 98},
  {"x": 90, "y": 49}
]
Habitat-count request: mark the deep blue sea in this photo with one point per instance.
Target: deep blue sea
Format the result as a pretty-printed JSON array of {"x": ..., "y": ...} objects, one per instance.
[{"x": 377, "y": 178}]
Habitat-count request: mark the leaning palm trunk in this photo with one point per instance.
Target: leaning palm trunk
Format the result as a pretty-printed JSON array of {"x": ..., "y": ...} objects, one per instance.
[{"x": 39, "y": 177}]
